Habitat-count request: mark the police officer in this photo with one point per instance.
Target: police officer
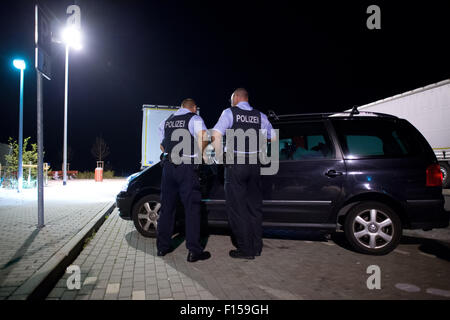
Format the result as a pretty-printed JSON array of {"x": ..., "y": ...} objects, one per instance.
[
  {"x": 181, "y": 179},
  {"x": 242, "y": 181}
]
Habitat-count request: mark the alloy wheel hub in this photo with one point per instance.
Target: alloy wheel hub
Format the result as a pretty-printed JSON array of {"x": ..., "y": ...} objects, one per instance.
[{"x": 373, "y": 228}]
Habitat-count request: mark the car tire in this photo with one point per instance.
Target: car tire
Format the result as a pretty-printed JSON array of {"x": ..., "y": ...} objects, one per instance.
[
  {"x": 146, "y": 214},
  {"x": 445, "y": 169},
  {"x": 373, "y": 228}
]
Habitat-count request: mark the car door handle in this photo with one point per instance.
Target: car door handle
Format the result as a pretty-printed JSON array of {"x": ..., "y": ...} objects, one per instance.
[{"x": 333, "y": 173}]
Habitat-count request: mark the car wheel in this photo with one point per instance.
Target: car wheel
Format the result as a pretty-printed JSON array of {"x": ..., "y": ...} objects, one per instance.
[
  {"x": 373, "y": 228},
  {"x": 146, "y": 214},
  {"x": 445, "y": 168}
]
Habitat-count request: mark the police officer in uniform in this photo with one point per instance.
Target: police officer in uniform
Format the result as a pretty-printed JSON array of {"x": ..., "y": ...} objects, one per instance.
[
  {"x": 181, "y": 179},
  {"x": 242, "y": 181}
]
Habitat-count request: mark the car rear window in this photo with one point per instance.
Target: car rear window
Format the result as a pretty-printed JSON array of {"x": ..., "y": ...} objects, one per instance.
[{"x": 375, "y": 138}]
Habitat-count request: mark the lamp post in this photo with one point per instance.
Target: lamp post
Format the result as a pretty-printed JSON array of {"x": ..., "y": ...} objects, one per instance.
[
  {"x": 71, "y": 37},
  {"x": 20, "y": 64}
]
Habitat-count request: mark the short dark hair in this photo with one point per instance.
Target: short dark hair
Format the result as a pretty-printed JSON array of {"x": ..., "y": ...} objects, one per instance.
[
  {"x": 241, "y": 92},
  {"x": 188, "y": 103}
]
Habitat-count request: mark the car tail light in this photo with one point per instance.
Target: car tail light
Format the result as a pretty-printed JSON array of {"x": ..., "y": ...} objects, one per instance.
[{"x": 434, "y": 176}]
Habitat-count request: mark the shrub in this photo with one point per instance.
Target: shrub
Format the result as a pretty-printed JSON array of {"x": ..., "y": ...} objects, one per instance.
[
  {"x": 86, "y": 175},
  {"x": 109, "y": 174}
]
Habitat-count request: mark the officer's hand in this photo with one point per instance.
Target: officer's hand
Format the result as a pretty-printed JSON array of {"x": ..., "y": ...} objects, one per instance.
[{"x": 206, "y": 158}]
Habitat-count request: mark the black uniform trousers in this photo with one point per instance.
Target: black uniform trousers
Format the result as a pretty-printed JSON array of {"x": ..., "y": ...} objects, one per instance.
[
  {"x": 244, "y": 206},
  {"x": 179, "y": 180}
]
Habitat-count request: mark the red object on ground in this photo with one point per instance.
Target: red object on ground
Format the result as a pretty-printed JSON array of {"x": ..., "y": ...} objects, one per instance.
[{"x": 98, "y": 174}]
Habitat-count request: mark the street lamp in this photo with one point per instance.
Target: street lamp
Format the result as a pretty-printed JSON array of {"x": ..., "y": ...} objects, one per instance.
[
  {"x": 20, "y": 64},
  {"x": 71, "y": 36}
]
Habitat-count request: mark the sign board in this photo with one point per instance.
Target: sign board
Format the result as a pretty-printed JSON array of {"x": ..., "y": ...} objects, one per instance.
[{"x": 43, "y": 41}]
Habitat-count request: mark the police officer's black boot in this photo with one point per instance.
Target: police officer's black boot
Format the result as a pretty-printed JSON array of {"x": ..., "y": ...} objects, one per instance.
[
  {"x": 240, "y": 255},
  {"x": 192, "y": 257},
  {"x": 162, "y": 253}
]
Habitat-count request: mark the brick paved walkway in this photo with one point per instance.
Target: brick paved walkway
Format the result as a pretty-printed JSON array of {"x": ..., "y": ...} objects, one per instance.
[
  {"x": 121, "y": 264},
  {"x": 23, "y": 247}
]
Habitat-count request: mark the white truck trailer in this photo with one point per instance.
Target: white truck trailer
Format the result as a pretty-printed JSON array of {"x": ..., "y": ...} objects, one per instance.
[
  {"x": 428, "y": 109},
  {"x": 152, "y": 115}
]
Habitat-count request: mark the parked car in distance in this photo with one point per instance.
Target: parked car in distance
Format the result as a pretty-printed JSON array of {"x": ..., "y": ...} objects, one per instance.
[{"x": 370, "y": 175}]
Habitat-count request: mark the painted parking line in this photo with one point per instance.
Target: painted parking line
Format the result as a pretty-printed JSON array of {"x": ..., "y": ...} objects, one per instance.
[
  {"x": 439, "y": 292},
  {"x": 407, "y": 287},
  {"x": 406, "y": 253},
  {"x": 427, "y": 255}
]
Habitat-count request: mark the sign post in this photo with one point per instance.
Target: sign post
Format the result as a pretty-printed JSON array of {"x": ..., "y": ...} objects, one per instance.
[{"x": 43, "y": 39}]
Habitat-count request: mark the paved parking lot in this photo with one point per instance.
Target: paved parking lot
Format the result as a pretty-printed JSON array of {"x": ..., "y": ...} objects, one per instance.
[
  {"x": 121, "y": 264},
  {"x": 23, "y": 247}
]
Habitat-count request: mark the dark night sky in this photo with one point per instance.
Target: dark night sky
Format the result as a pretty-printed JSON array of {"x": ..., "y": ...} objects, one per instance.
[{"x": 303, "y": 58}]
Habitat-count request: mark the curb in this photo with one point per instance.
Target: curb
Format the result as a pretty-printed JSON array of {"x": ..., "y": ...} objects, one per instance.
[
  {"x": 446, "y": 192},
  {"x": 39, "y": 285}
]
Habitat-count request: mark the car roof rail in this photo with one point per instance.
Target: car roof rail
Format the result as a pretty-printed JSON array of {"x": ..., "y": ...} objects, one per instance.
[
  {"x": 354, "y": 111},
  {"x": 323, "y": 115},
  {"x": 363, "y": 114},
  {"x": 272, "y": 114},
  {"x": 304, "y": 115}
]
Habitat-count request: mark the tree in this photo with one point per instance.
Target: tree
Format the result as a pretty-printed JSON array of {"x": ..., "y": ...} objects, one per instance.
[
  {"x": 12, "y": 159},
  {"x": 100, "y": 149}
]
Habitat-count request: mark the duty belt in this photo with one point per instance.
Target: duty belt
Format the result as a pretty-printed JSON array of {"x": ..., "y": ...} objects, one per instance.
[{"x": 167, "y": 158}]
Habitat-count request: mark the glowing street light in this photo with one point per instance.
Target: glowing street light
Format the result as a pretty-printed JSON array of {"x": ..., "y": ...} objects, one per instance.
[
  {"x": 20, "y": 64},
  {"x": 71, "y": 36}
]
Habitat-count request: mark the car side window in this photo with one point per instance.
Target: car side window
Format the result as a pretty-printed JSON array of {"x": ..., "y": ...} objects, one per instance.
[
  {"x": 304, "y": 141},
  {"x": 364, "y": 145},
  {"x": 375, "y": 138}
]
